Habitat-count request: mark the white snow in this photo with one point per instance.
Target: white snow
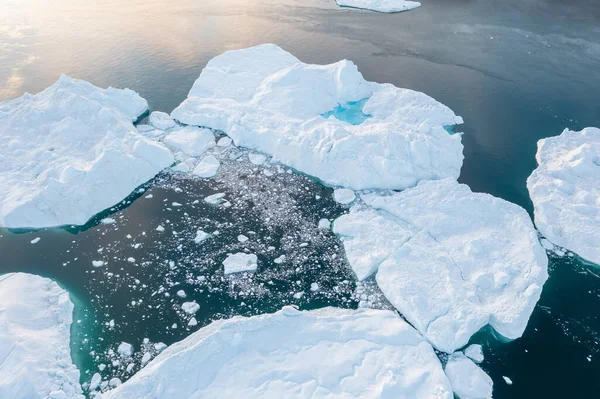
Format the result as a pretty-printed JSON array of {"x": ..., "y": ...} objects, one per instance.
[
  {"x": 327, "y": 353},
  {"x": 190, "y": 307},
  {"x": 70, "y": 152},
  {"x": 387, "y": 6},
  {"x": 475, "y": 353},
  {"x": 161, "y": 120},
  {"x": 35, "y": 353},
  {"x": 266, "y": 99},
  {"x": 467, "y": 379},
  {"x": 207, "y": 167},
  {"x": 565, "y": 190},
  {"x": 240, "y": 262},
  {"x": 191, "y": 140},
  {"x": 450, "y": 260},
  {"x": 344, "y": 196}
]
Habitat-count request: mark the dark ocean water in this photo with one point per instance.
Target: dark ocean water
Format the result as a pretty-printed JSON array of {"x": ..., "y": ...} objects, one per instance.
[{"x": 516, "y": 71}]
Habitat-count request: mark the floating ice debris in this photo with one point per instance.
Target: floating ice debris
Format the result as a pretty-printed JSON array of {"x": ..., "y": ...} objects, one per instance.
[
  {"x": 107, "y": 221},
  {"x": 70, "y": 152},
  {"x": 279, "y": 260},
  {"x": 475, "y": 353},
  {"x": 159, "y": 347},
  {"x": 266, "y": 99},
  {"x": 242, "y": 238},
  {"x": 97, "y": 263},
  {"x": 215, "y": 199},
  {"x": 507, "y": 380},
  {"x": 95, "y": 382},
  {"x": 295, "y": 354},
  {"x": 565, "y": 190},
  {"x": 181, "y": 294},
  {"x": 149, "y": 196},
  {"x": 160, "y": 228},
  {"x": 325, "y": 224},
  {"x": 207, "y": 167},
  {"x": 161, "y": 120},
  {"x": 387, "y": 6},
  {"x": 190, "y": 307},
  {"x": 114, "y": 382},
  {"x": 240, "y": 262},
  {"x": 224, "y": 142},
  {"x": 344, "y": 196},
  {"x": 192, "y": 322},
  {"x": 35, "y": 352},
  {"x": 467, "y": 379},
  {"x": 125, "y": 349},
  {"x": 191, "y": 140},
  {"x": 256, "y": 159},
  {"x": 201, "y": 236},
  {"x": 450, "y": 260},
  {"x": 35, "y": 240},
  {"x": 314, "y": 287},
  {"x": 131, "y": 259},
  {"x": 146, "y": 358}
]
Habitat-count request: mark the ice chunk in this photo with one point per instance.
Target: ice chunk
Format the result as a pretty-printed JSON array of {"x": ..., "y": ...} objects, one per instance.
[
  {"x": 475, "y": 353},
  {"x": 267, "y": 100},
  {"x": 450, "y": 260},
  {"x": 97, "y": 263},
  {"x": 181, "y": 294},
  {"x": 161, "y": 120},
  {"x": 70, "y": 152},
  {"x": 35, "y": 240},
  {"x": 190, "y": 307},
  {"x": 146, "y": 358},
  {"x": 324, "y": 224},
  {"x": 242, "y": 238},
  {"x": 507, "y": 380},
  {"x": 387, "y": 6},
  {"x": 125, "y": 349},
  {"x": 35, "y": 352},
  {"x": 565, "y": 190},
  {"x": 191, "y": 140},
  {"x": 214, "y": 199},
  {"x": 224, "y": 142},
  {"x": 326, "y": 353},
  {"x": 467, "y": 379},
  {"x": 344, "y": 196},
  {"x": 107, "y": 221},
  {"x": 201, "y": 236},
  {"x": 207, "y": 167},
  {"x": 240, "y": 262},
  {"x": 256, "y": 159}
]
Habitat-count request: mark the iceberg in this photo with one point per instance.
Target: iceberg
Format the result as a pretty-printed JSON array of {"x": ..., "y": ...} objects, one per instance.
[
  {"x": 467, "y": 379},
  {"x": 450, "y": 260},
  {"x": 387, "y": 6},
  {"x": 35, "y": 353},
  {"x": 565, "y": 190},
  {"x": 265, "y": 99},
  {"x": 70, "y": 152},
  {"x": 326, "y": 353}
]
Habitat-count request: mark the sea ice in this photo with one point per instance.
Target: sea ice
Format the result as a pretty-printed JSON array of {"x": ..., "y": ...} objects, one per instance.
[
  {"x": 70, "y": 152},
  {"x": 326, "y": 353},
  {"x": 161, "y": 120},
  {"x": 208, "y": 167},
  {"x": 387, "y": 6},
  {"x": 240, "y": 262},
  {"x": 35, "y": 353},
  {"x": 266, "y": 99},
  {"x": 565, "y": 190},
  {"x": 467, "y": 379},
  {"x": 344, "y": 196},
  {"x": 450, "y": 260},
  {"x": 475, "y": 353},
  {"x": 201, "y": 236},
  {"x": 190, "y": 307},
  {"x": 125, "y": 349},
  {"x": 191, "y": 140}
]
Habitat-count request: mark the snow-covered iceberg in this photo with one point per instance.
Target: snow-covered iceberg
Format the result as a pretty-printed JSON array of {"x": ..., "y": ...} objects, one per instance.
[
  {"x": 305, "y": 116},
  {"x": 35, "y": 354},
  {"x": 565, "y": 190},
  {"x": 388, "y": 6},
  {"x": 450, "y": 260},
  {"x": 70, "y": 152},
  {"x": 325, "y": 353}
]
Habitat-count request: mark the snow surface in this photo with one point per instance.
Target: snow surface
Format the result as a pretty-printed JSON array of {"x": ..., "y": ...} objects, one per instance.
[
  {"x": 266, "y": 99},
  {"x": 240, "y": 262},
  {"x": 70, "y": 152},
  {"x": 35, "y": 354},
  {"x": 467, "y": 379},
  {"x": 565, "y": 190},
  {"x": 327, "y": 353},
  {"x": 450, "y": 260},
  {"x": 191, "y": 140},
  {"x": 387, "y": 6}
]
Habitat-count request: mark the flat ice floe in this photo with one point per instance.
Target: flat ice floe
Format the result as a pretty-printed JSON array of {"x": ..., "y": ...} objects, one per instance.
[
  {"x": 325, "y": 120},
  {"x": 35, "y": 354},
  {"x": 70, "y": 152},
  {"x": 388, "y": 6},
  {"x": 467, "y": 379},
  {"x": 565, "y": 190},
  {"x": 450, "y": 260},
  {"x": 325, "y": 353}
]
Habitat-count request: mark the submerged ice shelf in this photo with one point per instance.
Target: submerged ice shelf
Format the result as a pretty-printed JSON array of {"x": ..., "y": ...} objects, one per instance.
[{"x": 565, "y": 190}]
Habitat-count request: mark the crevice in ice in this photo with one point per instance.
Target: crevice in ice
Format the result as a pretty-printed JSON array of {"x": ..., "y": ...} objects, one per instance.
[{"x": 351, "y": 112}]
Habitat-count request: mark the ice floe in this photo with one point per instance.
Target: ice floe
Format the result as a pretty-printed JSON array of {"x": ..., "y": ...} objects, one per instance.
[
  {"x": 161, "y": 120},
  {"x": 450, "y": 260},
  {"x": 240, "y": 262},
  {"x": 475, "y": 353},
  {"x": 191, "y": 140},
  {"x": 344, "y": 196},
  {"x": 467, "y": 379},
  {"x": 208, "y": 167},
  {"x": 325, "y": 353},
  {"x": 565, "y": 190},
  {"x": 70, "y": 152},
  {"x": 266, "y": 99},
  {"x": 387, "y": 6},
  {"x": 35, "y": 354}
]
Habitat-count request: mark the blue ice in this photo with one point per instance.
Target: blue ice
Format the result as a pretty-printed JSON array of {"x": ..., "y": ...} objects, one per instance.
[{"x": 351, "y": 112}]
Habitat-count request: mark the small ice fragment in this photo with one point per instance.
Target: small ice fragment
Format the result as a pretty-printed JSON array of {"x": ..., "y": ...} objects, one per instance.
[
  {"x": 192, "y": 322},
  {"x": 107, "y": 221},
  {"x": 215, "y": 198},
  {"x": 114, "y": 382},
  {"x": 35, "y": 240},
  {"x": 159, "y": 347},
  {"x": 280, "y": 259},
  {"x": 95, "y": 383},
  {"x": 242, "y": 238},
  {"x": 146, "y": 358},
  {"x": 149, "y": 196},
  {"x": 299, "y": 295},
  {"x": 176, "y": 204},
  {"x": 97, "y": 263},
  {"x": 181, "y": 294},
  {"x": 160, "y": 228},
  {"x": 125, "y": 349},
  {"x": 343, "y": 196},
  {"x": 201, "y": 236},
  {"x": 131, "y": 260},
  {"x": 475, "y": 353},
  {"x": 207, "y": 167},
  {"x": 324, "y": 224},
  {"x": 224, "y": 142},
  {"x": 314, "y": 287},
  {"x": 190, "y": 307},
  {"x": 507, "y": 380},
  {"x": 240, "y": 262},
  {"x": 161, "y": 120},
  {"x": 256, "y": 159}
]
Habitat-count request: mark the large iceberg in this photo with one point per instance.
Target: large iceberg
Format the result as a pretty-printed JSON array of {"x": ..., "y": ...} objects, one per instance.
[
  {"x": 305, "y": 116},
  {"x": 450, "y": 260},
  {"x": 565, "y": 190},
  {"x": 35, "y": 355},
  {"x": 70, "y": 152},
  {"x": 325, "y": 353},
  {"x": 388, "y": 6}
]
